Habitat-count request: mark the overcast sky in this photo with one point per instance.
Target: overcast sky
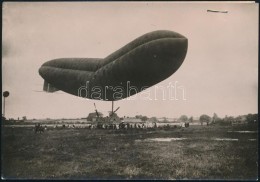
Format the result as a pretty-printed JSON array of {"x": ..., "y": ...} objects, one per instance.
[{"x": 219, "y": 73}]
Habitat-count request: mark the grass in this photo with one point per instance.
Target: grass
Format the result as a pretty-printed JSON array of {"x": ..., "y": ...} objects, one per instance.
[{"x": 109, "y": 154}]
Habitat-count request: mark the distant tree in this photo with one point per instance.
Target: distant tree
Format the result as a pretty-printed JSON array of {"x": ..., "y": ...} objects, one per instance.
[
  {"x": 226, "y": 118},
  {"x": 144, "y": 118},
  {"x": 191, "y": 119},
  {"x": 153, "y": 119},
  {"x": 24, "y": 118},
  {"x": 239, "y": 118},
  {"x": 183, "y": 118},
  {"x": 214, "y": 118},
  {"x": 229, "y": 119},
  {"x": 3, "y": 118},
  {"x": 251, "y": 118},
  {"x": 138, "y": 116},
  {"x": 205, "y": 118}
]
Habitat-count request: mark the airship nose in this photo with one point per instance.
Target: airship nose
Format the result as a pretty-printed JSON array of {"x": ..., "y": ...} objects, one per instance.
[
  {"x": 45, "y": 70},
  {"x": 41, "y": 72},
  {"x": 50, "y": 68},
  {"x": 172, "y": 53},
  {"x": 155, "y": 60},
  {"x": 164, "y": 57}
]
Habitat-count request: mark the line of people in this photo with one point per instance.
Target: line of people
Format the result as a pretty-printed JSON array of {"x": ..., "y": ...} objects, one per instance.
[{"x": 122, "y": 125}]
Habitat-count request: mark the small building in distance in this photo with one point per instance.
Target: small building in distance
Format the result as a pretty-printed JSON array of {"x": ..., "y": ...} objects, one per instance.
[
  {"x": 239, "y": 120},
  {"x": 93, "y": 116},
  {"x": 164, "y": 119}
]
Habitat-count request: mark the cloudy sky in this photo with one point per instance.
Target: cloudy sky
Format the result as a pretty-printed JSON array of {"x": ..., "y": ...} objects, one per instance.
[{"x": 219, "y": 73}]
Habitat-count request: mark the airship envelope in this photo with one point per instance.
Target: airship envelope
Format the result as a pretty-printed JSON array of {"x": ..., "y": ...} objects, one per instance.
[{"x": 140, "y": 64}]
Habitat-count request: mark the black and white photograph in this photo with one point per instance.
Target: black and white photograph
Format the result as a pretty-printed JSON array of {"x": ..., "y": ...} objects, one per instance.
[{"x": 129, "y": 90}]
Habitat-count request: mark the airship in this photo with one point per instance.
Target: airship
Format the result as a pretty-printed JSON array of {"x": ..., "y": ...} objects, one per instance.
[
  {"x": 140, "y": 64},
  {"x": 216, "y": 11}
]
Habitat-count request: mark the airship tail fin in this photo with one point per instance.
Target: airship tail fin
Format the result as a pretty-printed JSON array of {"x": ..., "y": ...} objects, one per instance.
[{"x": 48, "y": 87}]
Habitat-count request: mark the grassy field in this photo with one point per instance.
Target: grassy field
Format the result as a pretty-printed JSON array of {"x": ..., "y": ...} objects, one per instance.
[{"x": 129, "y": 154}]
